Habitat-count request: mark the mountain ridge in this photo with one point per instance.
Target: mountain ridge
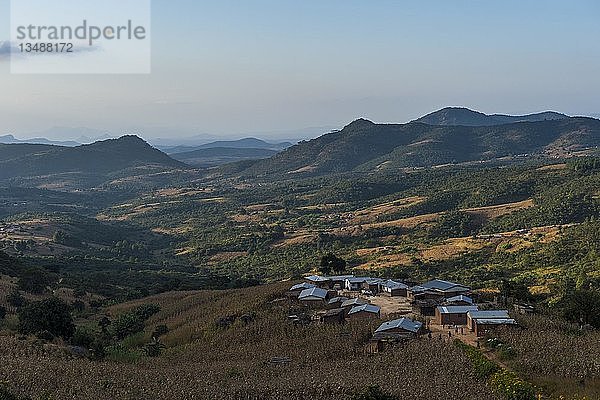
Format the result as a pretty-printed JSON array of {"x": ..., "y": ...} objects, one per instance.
[{"x": 455, "y": 116}]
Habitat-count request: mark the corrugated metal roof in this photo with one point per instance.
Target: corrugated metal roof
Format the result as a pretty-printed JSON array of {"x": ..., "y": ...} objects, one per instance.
[
  {"x": 460, "y": 298},
  {"x": 496, "y": 321},
  {"x": 313, "y": 292},
  {"x": 317, "y": 278},
  {"x": 370, "y": 308},
  {"x": 489, "y": 314},
  {"x": 395, "y": 285},
  {"x": 443, "y": 286},
  {"x": 354, "y": 302},
  {"x": 402, "y": 323},
  {"x": 302, "y": 286},
  {"x": 357, "y": 280},
  {"x": 339, "y": 299},
  {"x": 340, "y": 277},
  {"x": 456, "y": 309},
  {"x": 335, "y": 311}
]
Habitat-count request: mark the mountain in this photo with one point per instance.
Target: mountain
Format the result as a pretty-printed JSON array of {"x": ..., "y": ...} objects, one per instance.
[
  {"x": 99, "y": 159},
  {"x": 10, "y": 139},
  {"x": 364, "y": 145},
  {"x": 453, "y": 116},
  {"x": 246, "y": 143},
  {"x": 213, "y": 156}
]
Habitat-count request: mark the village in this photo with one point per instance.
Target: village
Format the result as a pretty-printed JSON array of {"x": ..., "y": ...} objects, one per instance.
[{"x": 437, "y": 309}]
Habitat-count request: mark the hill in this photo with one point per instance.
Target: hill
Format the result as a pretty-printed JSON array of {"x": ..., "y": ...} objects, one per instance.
[
  {"x": 100, "y": 158},
  {"x": 364, "y": 145},
  {"x": 452, "y": 116},
  {"x": 212, "y": 156},
  {"x": 10, "y": 139},
  {"x": 247, "y": 143}
]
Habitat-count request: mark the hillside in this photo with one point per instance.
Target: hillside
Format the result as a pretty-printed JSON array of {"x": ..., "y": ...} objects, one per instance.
[
  {"x": 452, "y": 116},
  {"x": 105, "y": 157},
  {"x": 246, "y": 143},
  {"x": 211, "y": 156},
  {"x": 364, "y": 145}
]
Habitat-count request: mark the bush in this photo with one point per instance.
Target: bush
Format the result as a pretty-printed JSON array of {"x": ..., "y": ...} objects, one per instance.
[
  {"x": 51, "y": 315},
  {"x": 509, "y": 385},
  {"x": 483, "y": 367},
  {"x": 373, "y": 393},
  {"x": 83, "y": 337},
  {"x": 15, "y": 299},
  {"x": 2, "y": 312}
]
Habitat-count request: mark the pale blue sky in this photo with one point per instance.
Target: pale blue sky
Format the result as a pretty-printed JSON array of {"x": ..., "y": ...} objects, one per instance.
[{"x": 232, "y": 67}]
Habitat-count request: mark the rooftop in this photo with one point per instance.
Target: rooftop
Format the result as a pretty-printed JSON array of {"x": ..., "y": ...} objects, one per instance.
[
  {"x": 339, "y": 299},
  {"x": 496, "y": 321},
  {"x": 313, "y": 292},
  {"x": 302, "y": 286},
  {"x": 366, "y": 308},
  {"x": 354, "y": 301},
  {"x": 402, "y": 323},
  {"x": 317, "y": 278},
  {"x": 456, "y": 309},
  {"x": 443, "y": 286},
  {"x": 395, "y": 285},
  {"x": 493, "y": 314},
  {"x": 460, "y": 298}
]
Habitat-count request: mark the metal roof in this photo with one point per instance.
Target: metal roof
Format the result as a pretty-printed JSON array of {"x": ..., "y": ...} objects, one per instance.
[
  {"x": 370, "y": 308},
  {"x": 302, "y": 286},
  {"x": 354, "y": 301},
  {"x": 496, "y": 321},
  {"x": 357, "y": 279},
  {"x": 489, "y": 314},
  {"x": 313, "y": 292},
  {"x": 339, "y": 299},
  {"x": 335, "y": 311},
  {"x": 317, "y": 278},
  {"x": 443, "y": 286},
  {"x": 402, "y": 323},
  {"x": 340, "y": 277},
  {"x": 460, "y": 298},
  {"x": 390, "y": 284},
  {"x": 456, "y": 309}
]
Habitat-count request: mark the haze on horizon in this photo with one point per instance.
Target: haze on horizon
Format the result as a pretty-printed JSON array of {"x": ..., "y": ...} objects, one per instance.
[{"x": 232, "y": 68}]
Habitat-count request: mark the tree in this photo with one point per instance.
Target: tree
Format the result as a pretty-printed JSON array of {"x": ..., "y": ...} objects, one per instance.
[
  {"x": 15, "y": 299},
  {"x": 333, "y": 263},
  {"x": 50, "y": 315},
  {"x": 2, "y": 312},
  {"x": 34, "y": 280},
  {"x": 583, "y": 306}
]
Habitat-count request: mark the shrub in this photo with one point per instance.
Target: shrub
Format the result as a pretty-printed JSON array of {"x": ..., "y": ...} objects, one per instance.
[
  {"x": 373, "y": 393},
  {"x": 509, "y": 385},
  {"x": 2, "y": 312},
  {"x": 52, "y": 315}
]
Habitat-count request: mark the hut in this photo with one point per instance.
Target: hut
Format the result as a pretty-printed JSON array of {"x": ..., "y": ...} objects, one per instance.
[
  {"x": 314, "y": 297},
  {"x": 444, "y": 288},
  {"x": 366, "y": 311},
  {"x": 350, "y": 303},
  {"x": 354, "y": 284},
  {"x": 487, "y": 314},
  {"x": 453, "y": 315},
  {"x": 334, "y": 316},
  {"x": 295, "y": 290},
  {"x": 402, "y": 326},
  {"x": 485, "y": 326},
  {"x": 460, "y": 300},
  {"x": 394, "y": 289},
  {"x": 336, "y": 302},
  {"x": 318, "y": 281}
]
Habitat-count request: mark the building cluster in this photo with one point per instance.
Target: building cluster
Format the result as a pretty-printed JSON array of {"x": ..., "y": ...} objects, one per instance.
[{"x": 336, "y": 299}]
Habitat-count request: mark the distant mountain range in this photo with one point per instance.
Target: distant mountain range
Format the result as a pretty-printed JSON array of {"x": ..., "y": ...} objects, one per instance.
[
  {"x": 214, "y": 156},
  {"x": 366, "y": 146},
  {"x": 246, "y": 143},
  {"x": 10, "y": 139},
  {"x": 455, "y": 116},
  {"x": 99, "y": 159}
]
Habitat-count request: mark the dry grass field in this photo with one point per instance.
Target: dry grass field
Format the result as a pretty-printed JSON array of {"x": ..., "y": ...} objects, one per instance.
[{"x": 266, "y": 358}]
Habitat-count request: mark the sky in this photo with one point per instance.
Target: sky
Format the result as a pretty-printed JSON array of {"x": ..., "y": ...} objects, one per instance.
[{"x": 270, "y": 68}]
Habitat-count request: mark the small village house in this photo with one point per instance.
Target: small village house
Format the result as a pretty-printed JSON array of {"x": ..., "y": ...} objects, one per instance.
[
  {"x": 351, "y": 303},
  {"x": 402, "y": 326},
  {"x": 334, "y": 316},
  {"x": 425, "y": 308},
  {"x": 339, "y": 282},
  {"x": 336, "y": 302},
  {"x": 354, "y": 284},
  {"x": 444, "y": 288},
  {"x": 295, "y": 290},
  {"x": 314, "y": 297},
  {"x": 366, "y": 311},
  {"x": 394, "y": 289},
  {"x": 460, "y": 300},
  {"x": 453, "y": 315},
  {"x": 372, "y": 284},
  {"x": 485, "y": 326},
  {"x": 318, "y": 281},
  {"x": 486, "y": 314}
]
